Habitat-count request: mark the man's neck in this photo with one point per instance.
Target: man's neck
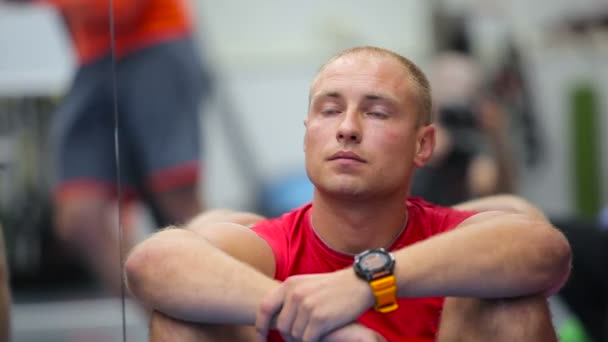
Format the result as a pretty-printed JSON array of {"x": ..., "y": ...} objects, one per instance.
[{"x": 353, "y": 226}]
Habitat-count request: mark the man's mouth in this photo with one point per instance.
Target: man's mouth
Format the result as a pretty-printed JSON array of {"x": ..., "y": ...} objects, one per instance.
[{"x": 347, "y": 155}]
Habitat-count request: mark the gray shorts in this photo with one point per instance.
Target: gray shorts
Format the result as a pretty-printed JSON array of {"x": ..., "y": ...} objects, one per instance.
[{"x": 159, "y": 90}]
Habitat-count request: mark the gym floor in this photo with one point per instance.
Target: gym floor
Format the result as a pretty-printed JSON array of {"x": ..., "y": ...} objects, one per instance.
[
  {"x": 100, "y": 320},
  {"x": 87, "y": 320}
]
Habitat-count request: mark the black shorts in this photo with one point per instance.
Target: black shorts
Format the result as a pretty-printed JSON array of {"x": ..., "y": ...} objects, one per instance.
[{"x": 160, "y": 91}]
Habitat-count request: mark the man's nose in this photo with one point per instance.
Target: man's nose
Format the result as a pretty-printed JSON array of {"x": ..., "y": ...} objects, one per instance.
[{"x": 349, "y": 129}]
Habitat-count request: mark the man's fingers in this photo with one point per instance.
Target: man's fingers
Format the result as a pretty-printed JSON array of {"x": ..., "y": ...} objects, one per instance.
[
  {"x": 269, "y": 307},
  {"x": 314, "y": 327},
  {"x": 300, "y": 323},
  {"x": 286, "y": 317},
  {"x": 310, "y": 328}
]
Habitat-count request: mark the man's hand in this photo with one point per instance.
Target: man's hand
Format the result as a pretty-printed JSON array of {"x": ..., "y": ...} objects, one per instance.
[{"x": 306, "y": 307}]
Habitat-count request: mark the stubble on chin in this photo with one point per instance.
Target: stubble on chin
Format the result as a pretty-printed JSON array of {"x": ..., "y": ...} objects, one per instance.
[{"x": 342, "y": 187}]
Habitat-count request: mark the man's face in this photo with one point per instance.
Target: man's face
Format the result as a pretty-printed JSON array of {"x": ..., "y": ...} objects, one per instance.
[{"x": 362, "y": 138}]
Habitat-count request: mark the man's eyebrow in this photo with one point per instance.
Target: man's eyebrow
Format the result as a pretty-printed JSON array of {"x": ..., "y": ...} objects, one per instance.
[
  {"x": 369, "y": 97},
  {"x": 332, "y": 94},
  {"x": 379, "y": 97}
]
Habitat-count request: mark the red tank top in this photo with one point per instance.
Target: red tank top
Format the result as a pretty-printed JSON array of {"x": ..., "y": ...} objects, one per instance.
[{"x": 298, "y": 250}]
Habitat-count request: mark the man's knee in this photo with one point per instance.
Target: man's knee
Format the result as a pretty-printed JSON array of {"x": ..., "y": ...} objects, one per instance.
[
  {"x": 164, "y": 329},
  {"x": 514, "y": 319},
  {"x": 178, "y": 206}
]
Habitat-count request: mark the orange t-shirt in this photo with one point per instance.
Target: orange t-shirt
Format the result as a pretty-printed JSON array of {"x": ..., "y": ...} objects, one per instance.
[{"x": 137, "y": 24}]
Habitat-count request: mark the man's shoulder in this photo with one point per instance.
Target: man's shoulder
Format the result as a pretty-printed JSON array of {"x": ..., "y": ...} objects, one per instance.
[
  {"x": 280, "y": 234},
  {"x": 435, "y": 217},
  {"x": 423, "y": 205},
  {"x": 285, "y": 222}
]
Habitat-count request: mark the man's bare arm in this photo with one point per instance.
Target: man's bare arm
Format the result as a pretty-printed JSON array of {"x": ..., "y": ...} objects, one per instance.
[
  {"x": 212, "y": 272},
  {"x": 490, "y": 255},
  {"x": 504, "y": 203}
]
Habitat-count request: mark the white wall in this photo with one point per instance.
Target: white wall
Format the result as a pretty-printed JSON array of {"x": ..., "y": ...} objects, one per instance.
[{"x": 35, "y": 55}]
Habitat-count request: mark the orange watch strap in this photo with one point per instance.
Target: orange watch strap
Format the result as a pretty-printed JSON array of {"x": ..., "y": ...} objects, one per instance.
[{"x": 385, "y": 291}]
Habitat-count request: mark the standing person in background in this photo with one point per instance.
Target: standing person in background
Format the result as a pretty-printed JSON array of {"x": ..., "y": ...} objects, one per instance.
[
  {"x": 473, "y": 156},
  {"x": 160, "y": 84}
]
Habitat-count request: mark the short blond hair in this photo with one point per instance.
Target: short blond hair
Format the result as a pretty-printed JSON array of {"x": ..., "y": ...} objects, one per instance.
[{"x": 420, "y": 80}]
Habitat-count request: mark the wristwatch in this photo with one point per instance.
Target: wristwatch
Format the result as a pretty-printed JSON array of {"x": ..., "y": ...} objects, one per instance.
[{"x": 376, "y": 266}]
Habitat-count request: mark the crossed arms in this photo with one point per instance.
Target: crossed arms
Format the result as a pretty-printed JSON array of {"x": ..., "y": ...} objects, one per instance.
[{"x": 221, "y": 273}]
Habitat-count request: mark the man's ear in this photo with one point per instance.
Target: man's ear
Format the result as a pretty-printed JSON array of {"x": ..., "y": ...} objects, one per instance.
[{"x": 425, "y": 144}]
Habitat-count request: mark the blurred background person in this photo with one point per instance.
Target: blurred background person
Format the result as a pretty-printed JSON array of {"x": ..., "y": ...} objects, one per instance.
[
  {"x": 473, "y": 156},
  {"x": 476, "y": 156},
  {"x": 160, "y": 83}
]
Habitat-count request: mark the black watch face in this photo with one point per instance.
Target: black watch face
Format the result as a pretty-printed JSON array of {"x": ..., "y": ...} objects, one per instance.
[{"x": 374, "y": 261}]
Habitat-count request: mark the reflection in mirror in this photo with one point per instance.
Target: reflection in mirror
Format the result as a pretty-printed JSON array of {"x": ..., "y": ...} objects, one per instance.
[
  {"x": 159, "y": 84},
  {"x": 159, "y": 87},
  {"x": 58, "y": 203},
  {"x": 91, "y": 127}
]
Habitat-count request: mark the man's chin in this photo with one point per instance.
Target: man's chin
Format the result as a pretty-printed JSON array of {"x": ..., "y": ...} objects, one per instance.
[{"x": 346, "y": 191}]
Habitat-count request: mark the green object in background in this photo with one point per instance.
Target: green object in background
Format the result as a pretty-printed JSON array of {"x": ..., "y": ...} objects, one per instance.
[
  {"x": 586, "y": 156},
  {"x": 572, "y": 331}
]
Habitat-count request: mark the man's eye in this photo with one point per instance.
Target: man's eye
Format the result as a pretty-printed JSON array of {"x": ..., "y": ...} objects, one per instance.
[
  {"x": 381, "y": 115},
  {"x": 330, "y": 111}
]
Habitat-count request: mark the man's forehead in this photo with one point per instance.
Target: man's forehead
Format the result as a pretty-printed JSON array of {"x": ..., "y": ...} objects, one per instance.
[
  {"x": 359, "y": 61},
  {"x": 382, "y": 70}
]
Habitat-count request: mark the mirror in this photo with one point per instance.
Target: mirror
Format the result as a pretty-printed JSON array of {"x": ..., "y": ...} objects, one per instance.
[
  {"x": 99, "y": 145},
  {"x": 160, "y": 83},
  {"x": 58, "y": 173}
]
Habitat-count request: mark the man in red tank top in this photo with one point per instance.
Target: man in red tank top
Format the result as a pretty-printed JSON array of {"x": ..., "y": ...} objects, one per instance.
[{"x": 362, "y": 261}]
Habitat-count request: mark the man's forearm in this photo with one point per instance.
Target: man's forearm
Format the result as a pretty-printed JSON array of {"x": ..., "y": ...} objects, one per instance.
[
  {"x": 506, "y": 203},
  {"x": 508, "y": 255},
  {"x": 179, "y": 273}
]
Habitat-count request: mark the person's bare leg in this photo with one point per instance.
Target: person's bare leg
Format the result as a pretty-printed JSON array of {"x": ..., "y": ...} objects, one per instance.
[
  {"x": 179, "y": 205},
  {"x": 516, "y": 319},
  {"x": 166, "y": 329},
  {"x": 89, "y": 227}
]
